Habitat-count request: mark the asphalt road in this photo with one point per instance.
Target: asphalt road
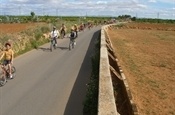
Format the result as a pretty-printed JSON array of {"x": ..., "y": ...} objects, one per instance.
[{"x": 50, "y": 83}]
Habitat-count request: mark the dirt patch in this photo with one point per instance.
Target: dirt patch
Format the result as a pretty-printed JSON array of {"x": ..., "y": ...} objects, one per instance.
[
  {"x": 148, "y": 60},
  {"x": 16, "y": 27}
]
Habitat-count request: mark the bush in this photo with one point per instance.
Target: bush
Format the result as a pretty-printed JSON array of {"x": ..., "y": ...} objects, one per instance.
[
  {"x": 38, "y": 34},
  {"x": 45, "y": 29},
  {"x": 4, "y": 39},
  {"x": 34, "y": 44}
]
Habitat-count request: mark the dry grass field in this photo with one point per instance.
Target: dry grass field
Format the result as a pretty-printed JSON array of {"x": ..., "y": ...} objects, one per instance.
[
  {"x": 147, "y": 55},
  {"x": 16, "y": 27}
]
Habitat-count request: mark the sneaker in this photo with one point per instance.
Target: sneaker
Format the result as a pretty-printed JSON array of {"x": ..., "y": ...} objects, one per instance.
[{"x": 11, "y": 76}]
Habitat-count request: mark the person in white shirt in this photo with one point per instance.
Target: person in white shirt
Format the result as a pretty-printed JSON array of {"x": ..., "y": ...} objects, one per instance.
[{"x": 54, "y": 34}]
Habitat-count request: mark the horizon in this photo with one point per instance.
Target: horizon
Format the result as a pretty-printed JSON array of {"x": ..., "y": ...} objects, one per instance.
[{"x": 161, "y": 9}]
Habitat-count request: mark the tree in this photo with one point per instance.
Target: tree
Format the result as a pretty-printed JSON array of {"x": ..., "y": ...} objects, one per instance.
[
  {"x": 32, "y": 14},
  {"x": 133, "y": 18}
]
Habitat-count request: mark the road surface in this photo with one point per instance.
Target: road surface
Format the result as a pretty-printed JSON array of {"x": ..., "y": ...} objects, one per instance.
[{"x": 50, "y": 83}]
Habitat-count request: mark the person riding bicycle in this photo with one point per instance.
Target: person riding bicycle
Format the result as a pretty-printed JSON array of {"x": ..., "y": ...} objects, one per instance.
[
  {"x": 8, "y": 56},
  {"x": 54, "y": 35},
  {"x": 72, "y": 38},
  {"x": 63, "y": 30},
  {"x": 81, "y": 27}
]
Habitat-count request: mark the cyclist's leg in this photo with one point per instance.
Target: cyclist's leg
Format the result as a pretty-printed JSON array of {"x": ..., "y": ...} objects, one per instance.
[
  {"x": 73, "y": 43},
  {"x": 55, "y": 41},
  {"x": 10, "y": 69},
  {"x": 51, "y": 43}
]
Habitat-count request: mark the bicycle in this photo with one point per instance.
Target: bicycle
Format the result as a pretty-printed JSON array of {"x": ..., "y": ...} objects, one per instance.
[
  {"x": 6, "y": 75},
  {"x": 53, "y": 44},
  {"x": 72, "y": 44}
]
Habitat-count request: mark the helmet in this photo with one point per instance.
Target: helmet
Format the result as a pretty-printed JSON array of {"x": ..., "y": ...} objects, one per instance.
[{"x": 54, "y": 27}]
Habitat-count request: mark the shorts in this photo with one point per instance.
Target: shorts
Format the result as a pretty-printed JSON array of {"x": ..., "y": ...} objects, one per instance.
[{"x": 6, "y": 62}]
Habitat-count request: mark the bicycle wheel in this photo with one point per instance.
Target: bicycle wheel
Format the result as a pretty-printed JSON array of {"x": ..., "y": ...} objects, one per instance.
[
  {"x": 51, "y": 47},
  {"x": 54, "y": 46},
  {"x": 73, "y": 44},
  {"x": 69, "y": 46},
  {"x": 3, "y": 80},
  {"x": 62, "y": 34},
  {"x": 13, "y": 71}
]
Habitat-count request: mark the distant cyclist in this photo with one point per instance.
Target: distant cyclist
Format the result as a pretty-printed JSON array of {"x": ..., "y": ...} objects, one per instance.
[
  {"x": 63, "y": 30},
  {"x": 54, "y": 35},
  {"x": 81, "y": 27},
  {"x": 8, "y": 56},
  {"x": 72, "y": 42}
]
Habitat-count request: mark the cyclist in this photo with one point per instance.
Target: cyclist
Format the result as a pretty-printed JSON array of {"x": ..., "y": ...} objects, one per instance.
[
  {"x": 63, "y": 30},
  {"x": 81, "y": 27},
  {"x": 8, "y": 56},
  {"x": 72, "y": 39},
  {"x": 54, "y": 34},
  {"x": 76, "y": 29}
]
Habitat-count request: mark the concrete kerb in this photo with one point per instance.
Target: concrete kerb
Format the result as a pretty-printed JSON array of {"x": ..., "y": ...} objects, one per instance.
[{"x": 106, "y": 105}]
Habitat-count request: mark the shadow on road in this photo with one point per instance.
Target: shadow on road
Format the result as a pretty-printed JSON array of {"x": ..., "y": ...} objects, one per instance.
[
  {"x": 78, "y": 93},
  {"x": 48, "y": 49},
  {"x": 63, "y": 48},
  {"x": 44, "y": 49}
]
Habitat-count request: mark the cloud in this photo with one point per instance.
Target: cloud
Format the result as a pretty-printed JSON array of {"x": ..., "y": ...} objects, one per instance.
[
  {"x": 81, "y": 7},
  {"x": 167, "y": 1},
  {"x": 101, "y": 2},
  {"x": 34, "y": 1},
  {"x": 152, "y": 1}
]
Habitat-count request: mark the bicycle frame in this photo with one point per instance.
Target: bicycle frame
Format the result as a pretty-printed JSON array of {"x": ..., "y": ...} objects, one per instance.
[
  {"x": 5, "y": 74},
  {"x": 53, "y": 43},
  {"x": 71, "y": 43}
]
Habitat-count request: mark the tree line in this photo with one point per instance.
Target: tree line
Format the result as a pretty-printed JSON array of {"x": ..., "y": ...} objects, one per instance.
[{"x": 51, "y": 19}]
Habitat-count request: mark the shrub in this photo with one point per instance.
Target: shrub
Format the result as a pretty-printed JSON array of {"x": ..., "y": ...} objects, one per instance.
[
  {"x": 38, "y": 35},
  {"x": 45, "y": 29}
]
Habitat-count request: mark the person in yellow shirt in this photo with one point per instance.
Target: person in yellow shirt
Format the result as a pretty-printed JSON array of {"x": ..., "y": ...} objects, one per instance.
[{"x": 8, "y": 56}]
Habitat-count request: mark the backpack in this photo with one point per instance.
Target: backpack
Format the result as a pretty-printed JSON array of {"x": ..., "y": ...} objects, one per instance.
[{"x": 72, "y": 35}]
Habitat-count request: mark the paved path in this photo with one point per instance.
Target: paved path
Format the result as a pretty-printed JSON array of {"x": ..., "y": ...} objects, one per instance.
[{"x": 50, "y": 83}]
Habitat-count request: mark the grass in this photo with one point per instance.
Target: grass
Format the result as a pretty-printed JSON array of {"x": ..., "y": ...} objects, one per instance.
[
  {"x": 91, "y": 101},
  {"x": 29, "y": 39}
]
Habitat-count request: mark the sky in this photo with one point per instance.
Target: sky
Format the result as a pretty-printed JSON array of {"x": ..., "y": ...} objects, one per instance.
[{"x": 163, "y": 9}]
